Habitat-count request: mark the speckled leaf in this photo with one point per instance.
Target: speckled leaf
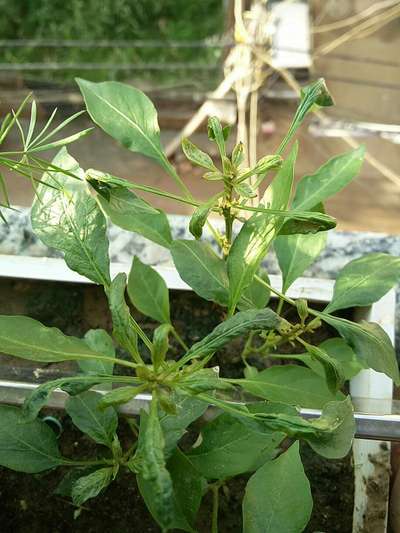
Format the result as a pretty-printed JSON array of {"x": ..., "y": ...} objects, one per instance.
[
  {"x": 121, "y": 316},
  {"x": 154, "y": 478},
  {"x": 69, "y": 219},
  {"x": 99, "y": 424},
  {"x": 233, "y": 327},
  {"x": 90, "y": 486}
]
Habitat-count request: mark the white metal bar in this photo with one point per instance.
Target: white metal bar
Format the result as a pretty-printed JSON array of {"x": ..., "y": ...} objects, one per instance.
[{"x": 54, "y": 269}]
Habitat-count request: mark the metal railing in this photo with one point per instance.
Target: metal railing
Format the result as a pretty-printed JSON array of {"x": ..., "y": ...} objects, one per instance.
[{"x": 381, "y": 427}]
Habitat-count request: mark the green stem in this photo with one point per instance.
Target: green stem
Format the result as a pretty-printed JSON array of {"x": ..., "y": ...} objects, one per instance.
[
  {"x": 70, "y": 462},
  {"x": 275, "y": 291},
  {"x": 214, "y": 523},
  {"x": 179, "y": 339},
  {"x": 142, "y": 335},
  {"x": 279, "y": 307},
  {"x": 175, "y": 176},
  {"x": 121, "y": 362}
]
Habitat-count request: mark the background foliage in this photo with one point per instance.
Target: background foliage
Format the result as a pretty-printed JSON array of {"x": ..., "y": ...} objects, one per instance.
[{"x": 91, "y": 20}]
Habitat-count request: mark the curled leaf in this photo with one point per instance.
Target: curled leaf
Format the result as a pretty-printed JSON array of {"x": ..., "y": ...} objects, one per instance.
[
  {"x": 160, "y": 344},
  {"x": 199, "y": 217},
  {"x": 197, "y": 156}
]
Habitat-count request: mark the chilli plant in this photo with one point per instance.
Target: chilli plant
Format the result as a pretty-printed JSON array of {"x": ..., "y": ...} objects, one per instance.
[{"x": 253, "y": 424}]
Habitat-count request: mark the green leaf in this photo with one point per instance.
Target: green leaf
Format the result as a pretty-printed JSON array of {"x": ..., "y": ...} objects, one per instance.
[
  {"x": 199, "y": 217},
  {"x": 154, "y": 470},
  {"x": 290, "y": 384},
  {"x": 278, "y": 496},
  {"x": 252, "y": 243},
  {"x": 148, "y": 291},
  {"x": 329, "y": 179},
  {"x": 256, "y": 295},
  {"x": 315, "y": 94},
  {"x": 228, "y": 448},
  {"x": 188, "y": 488},
  {"x": 333, "y": 370},
  {"x": 266, "y": 417},
  {"x": 126, "y": 114},
  {"x": 99, "y": 424},
  {"x": 335, "y": 430},
  {"x": 39, "y": 396},
  {"x": 60, "y": 142},
  {"x": 365, "y": 280},
  {"x": 68, "y": 219},
  {"x": 130, "y": 212},
  {"x": 64, "y": 488},
  {"x": 99, "y": 341},
  {"x": 24, "y": 337},
  {"x": 313, "y": 224},
  {"x": 203, "y": 380},
  {"x": 337, "y": 349},
  {"x": 197, "y": 156},
  {"x": 174, "y": 426},
  {"x": 233, "y": 327},
  {"x": 296, "y": 253},
  {"x": 121, "y": 316},
  {"x": 26, "y": 446},
  {"x": 278, "y": 193},
  {"x": 90, "y": 486},
  {"x": 237, "y": 156},
  {"x": 370, "y": 343},
  {"x": 341, "y": 351},
  {"x": 245, "y": 190},
  {"x": 213, "y": 176},
  {"x": 98, "y": 178},
  {"x": 200, "y": 267},
  {"x": 32, "y": 123},
  {"x": 160, "y": 344},
  {"x": 42, "y": 138},
  {"x": 188, "y": 485},
  {"x": 216, "y": 133},
  {"x": 84, "y": 383},
  {"x": 117, "y": 396},
  {"x": 268, "y": 162}
]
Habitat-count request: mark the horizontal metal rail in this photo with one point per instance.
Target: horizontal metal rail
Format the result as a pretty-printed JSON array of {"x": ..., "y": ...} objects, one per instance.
[
  {"x": 107, "y": 66},
  {"x": 382, "y": 427}
]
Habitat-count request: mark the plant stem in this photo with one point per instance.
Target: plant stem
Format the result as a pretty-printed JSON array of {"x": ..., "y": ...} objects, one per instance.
[
  {"x": 71, "y": 462},
  {"x": 279, "y": 307},
  {"x": 214, "y": 523},
  {"x": 179, "y": 339},
  {"x": 142, "y": 335}
]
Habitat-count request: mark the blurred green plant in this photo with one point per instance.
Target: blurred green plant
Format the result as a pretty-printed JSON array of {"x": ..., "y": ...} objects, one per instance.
[{"x": 91, "y": 20}]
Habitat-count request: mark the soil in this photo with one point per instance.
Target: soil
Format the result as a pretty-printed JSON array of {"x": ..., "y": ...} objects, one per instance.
[{"x": 27, "y": 502}]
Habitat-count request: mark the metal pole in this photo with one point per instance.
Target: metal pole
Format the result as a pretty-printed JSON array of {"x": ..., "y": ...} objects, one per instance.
[{"x": 368, "y": 426}]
